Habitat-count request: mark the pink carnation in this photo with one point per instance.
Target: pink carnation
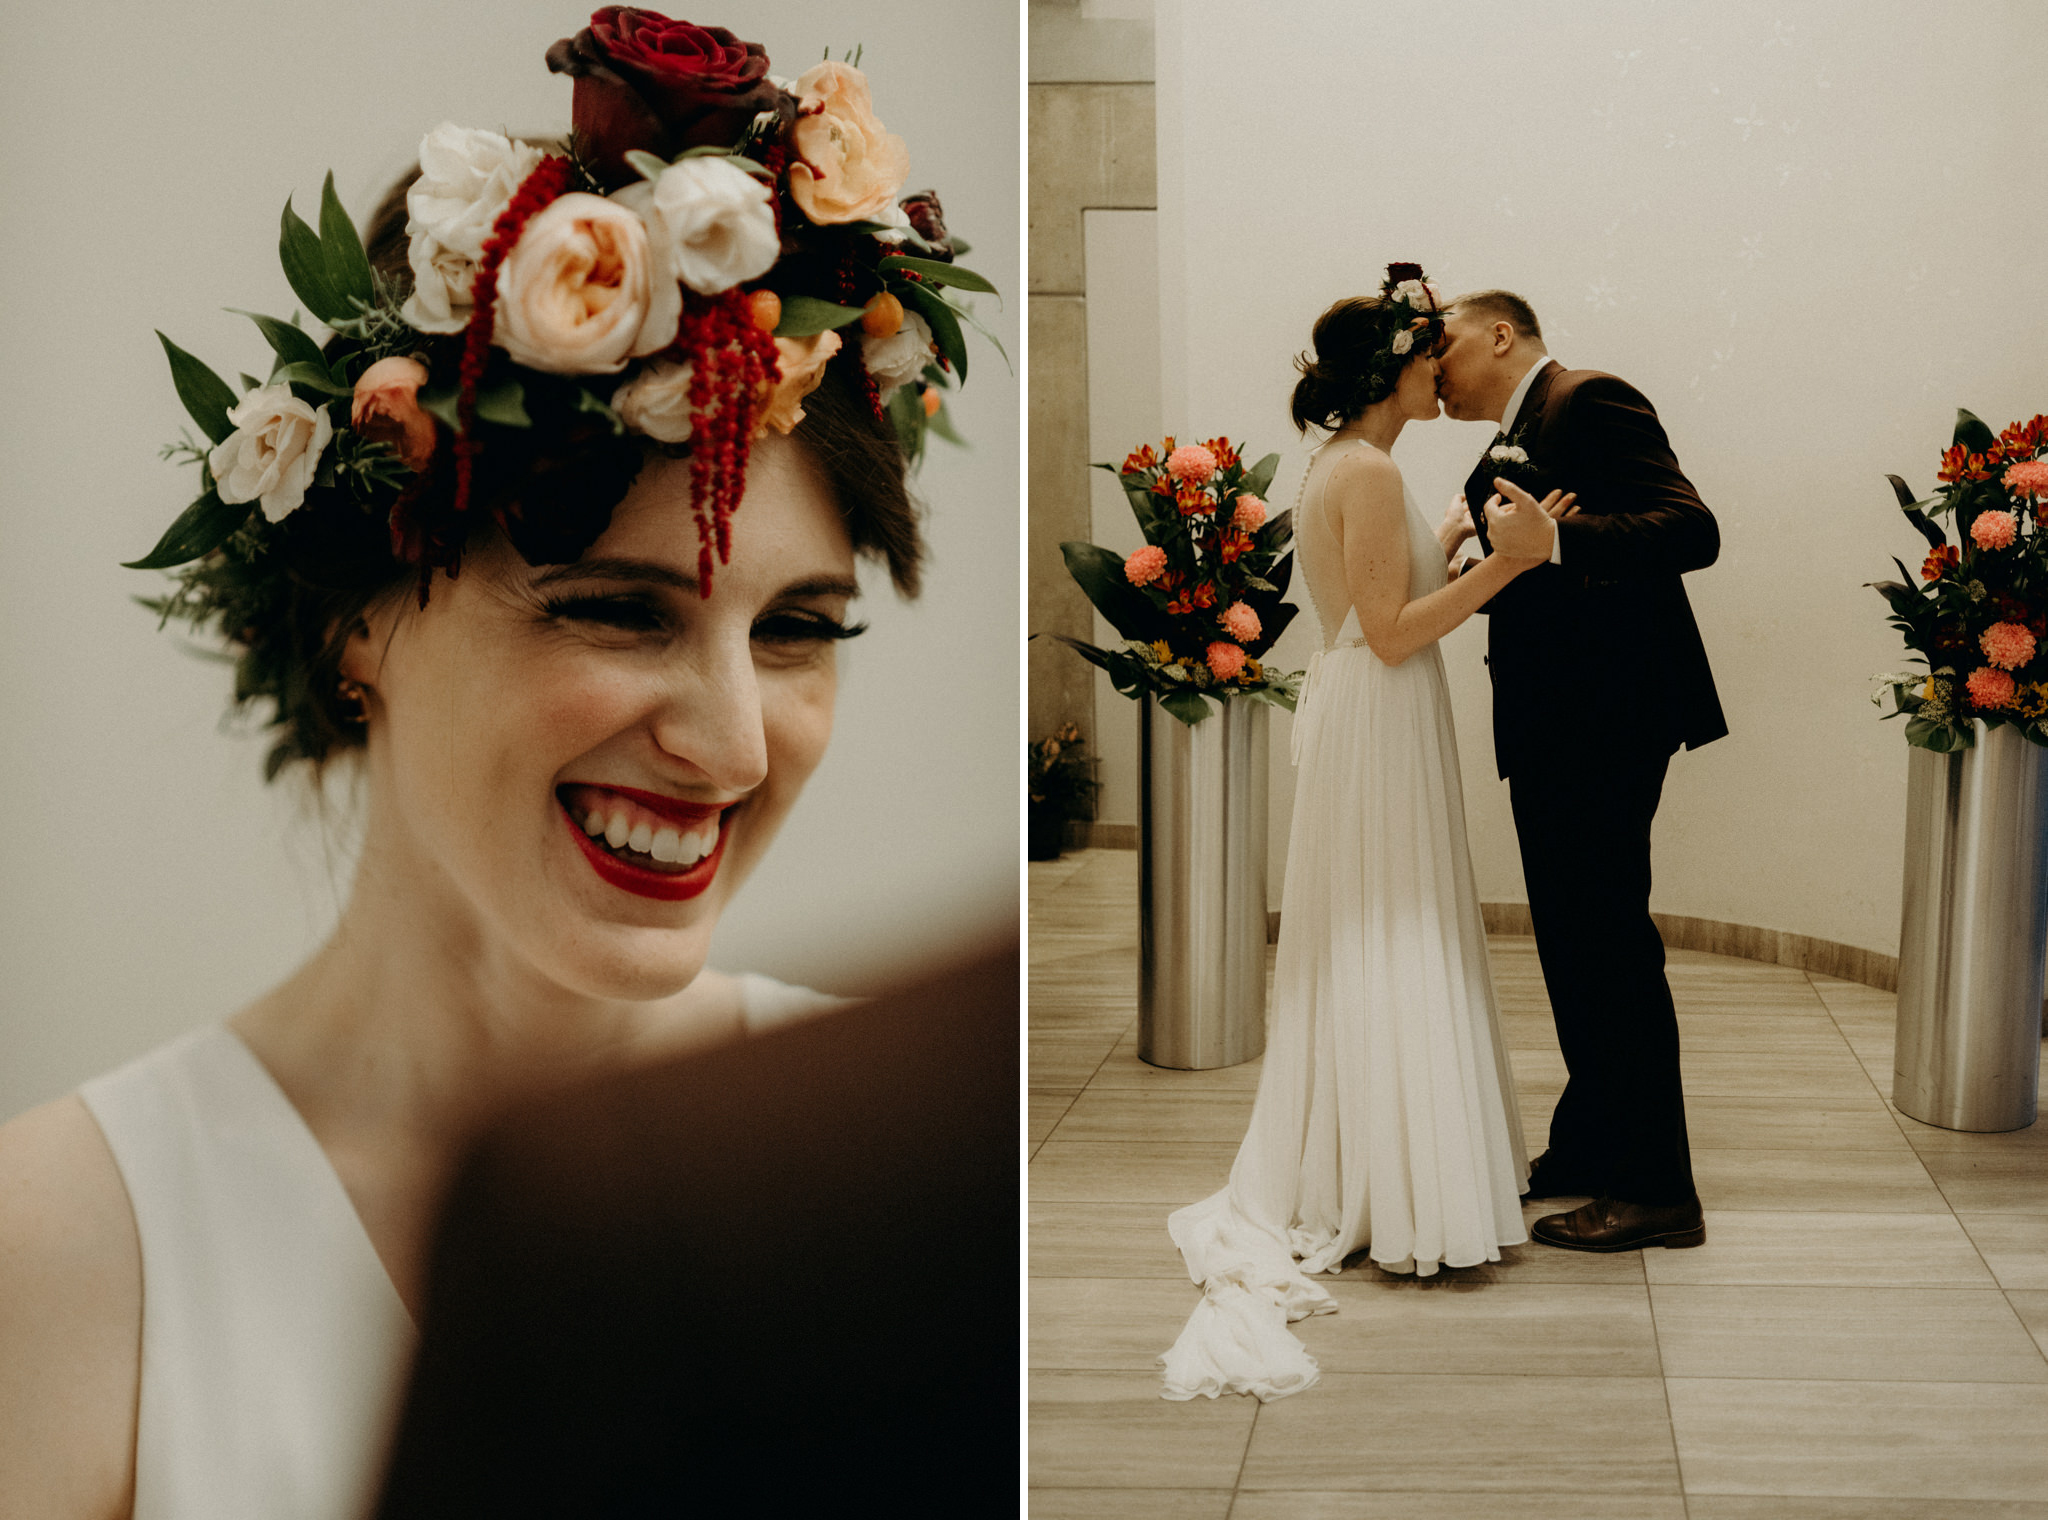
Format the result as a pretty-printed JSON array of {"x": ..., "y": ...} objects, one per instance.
[
  {"x": 1994, "y": 530},
  {"x": 1191, "y": 464},
  {"x": 1988, "y": 688},
  {"x": 1250, "y": 514},
  {"x": 2006, "y": 645},
  {"x": 1226, "y": 660},
  {"x": 1242, "y": 624},
  {"x": 1146, "y": 566},
  {"x": 2029, "y": 475}
]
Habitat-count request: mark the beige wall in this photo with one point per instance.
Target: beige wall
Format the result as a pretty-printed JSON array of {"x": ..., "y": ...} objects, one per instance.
[
  {"x": 1805, "y": 233},
  {"x": 1090, "y": 140}
]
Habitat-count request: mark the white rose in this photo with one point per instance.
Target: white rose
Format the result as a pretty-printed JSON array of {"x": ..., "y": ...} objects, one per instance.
[
  {"x": 710, "y": 224},
  {"x": 271, "y": 455},
  {"x": 1411, "y": 292},
  {"x": 1507, "y": 453},
  {"x": 901, "y": 357},
  {"x": 897, "y": 220},
  {"x": 656, "y": 402},
  {"x": 1403, "y": 341},
  {"x": 466, "y": 178},
  {"x": 574, "y": 292}
]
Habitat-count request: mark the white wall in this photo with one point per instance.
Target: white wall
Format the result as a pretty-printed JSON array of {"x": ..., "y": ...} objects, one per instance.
[
  {"x": 147, "y": 880},
  {"x": 1807, "y": 232}
]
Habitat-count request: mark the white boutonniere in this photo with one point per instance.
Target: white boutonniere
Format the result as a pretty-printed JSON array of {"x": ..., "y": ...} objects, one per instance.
[{"x": 1507, "y": 453}]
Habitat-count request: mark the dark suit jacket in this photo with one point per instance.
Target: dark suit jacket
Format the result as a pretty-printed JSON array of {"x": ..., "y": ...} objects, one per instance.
[
  {"x": 776, "y": 1278},
  {"x": 1603, "y": 644}
]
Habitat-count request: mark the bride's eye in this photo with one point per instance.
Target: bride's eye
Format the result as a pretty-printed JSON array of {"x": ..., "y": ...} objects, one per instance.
[
  {"x": 804, "y": 628},
  {"x": 630, "y": 614}
]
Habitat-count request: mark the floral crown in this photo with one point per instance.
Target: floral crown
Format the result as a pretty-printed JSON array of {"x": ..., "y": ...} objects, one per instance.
[
  {"x": 1404, "y": 286},
  {"x": 684, "y": 271}
]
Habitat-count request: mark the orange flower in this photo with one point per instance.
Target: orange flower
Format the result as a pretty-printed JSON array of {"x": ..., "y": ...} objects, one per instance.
[
  {"x": 1193, "y": 500},
  {"x": 1944, "y": 558},
  {"x": 1142, "y": 459},
  {"x": 1226, "y": 456},
  {"x": 802, "y": 368},
  {"x": 386, "y": 409}
]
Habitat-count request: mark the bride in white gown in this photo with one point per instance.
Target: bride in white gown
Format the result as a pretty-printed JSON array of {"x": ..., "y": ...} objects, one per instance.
[{"x": 1385, "y": 1117}]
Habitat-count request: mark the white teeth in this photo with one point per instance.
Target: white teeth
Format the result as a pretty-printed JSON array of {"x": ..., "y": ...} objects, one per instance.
[
  {"x": 594, "y": 824},
  {"x": 696, "y": 846},
  {"x": 665, "y": 847},
  {"x": 618, "y": 831},
  {"x": 641, "y": 837}
]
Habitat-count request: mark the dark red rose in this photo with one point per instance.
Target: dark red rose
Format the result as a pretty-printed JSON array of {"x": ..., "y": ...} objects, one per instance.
[
  {"x": 1399, "y": 272},
  {"x": 928, "y": 221},
  {"x": 644, "y": 81}
]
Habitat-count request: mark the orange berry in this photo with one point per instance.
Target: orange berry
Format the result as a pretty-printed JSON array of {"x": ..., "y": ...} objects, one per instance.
[
  {"x": 764, "y": 309},
  {"x": 931, "y": 401},
  {"x": 882, "y": 317}
]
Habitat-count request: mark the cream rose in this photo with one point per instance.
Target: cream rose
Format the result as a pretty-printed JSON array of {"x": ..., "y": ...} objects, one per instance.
[
  {"x": 466, "y": 178},
  {"x": 710, "y": 224},
  {"x": 656, "y": 402},
  {"x": 802, "y": 362},
  {"x": 848, "y": 167},
  {"x": 574, "y": 292},
  {"x": 271, "y": 455},
  {"x": 1403, "y": 341},
  {"x": 901, "y": 357}
]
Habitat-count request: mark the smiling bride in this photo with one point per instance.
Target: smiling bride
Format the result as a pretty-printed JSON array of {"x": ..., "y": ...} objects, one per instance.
[{"x": 554, "y": 539}]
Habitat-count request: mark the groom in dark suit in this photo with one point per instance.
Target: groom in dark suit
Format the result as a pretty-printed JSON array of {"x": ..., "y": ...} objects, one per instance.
[{"x": 1598, "y": 677}]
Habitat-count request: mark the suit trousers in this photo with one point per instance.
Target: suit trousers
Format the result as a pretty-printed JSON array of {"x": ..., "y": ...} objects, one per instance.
[{"x": 1584, "y": 831}]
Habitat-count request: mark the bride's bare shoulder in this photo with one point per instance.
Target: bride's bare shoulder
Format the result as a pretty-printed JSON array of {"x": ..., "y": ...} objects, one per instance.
[
  {"x": 70, "y": 1319},
  {"x": 1364, "y": 479}
]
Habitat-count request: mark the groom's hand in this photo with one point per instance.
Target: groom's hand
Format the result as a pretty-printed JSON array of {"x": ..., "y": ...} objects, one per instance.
[{"x": 1519, "y": 525}]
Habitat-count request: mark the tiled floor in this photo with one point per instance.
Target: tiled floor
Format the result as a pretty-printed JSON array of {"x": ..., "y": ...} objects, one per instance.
[{"x": 1861, "y": 1338}]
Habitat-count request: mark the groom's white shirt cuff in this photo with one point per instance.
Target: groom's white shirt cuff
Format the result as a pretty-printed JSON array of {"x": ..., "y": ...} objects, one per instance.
[{"x": 1507, "y": 425}]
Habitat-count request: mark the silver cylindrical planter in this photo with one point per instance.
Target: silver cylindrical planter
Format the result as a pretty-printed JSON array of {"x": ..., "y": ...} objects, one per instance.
[
  {"x": 1202, "y": 886},
  {"x": 1970, "y": 944}
]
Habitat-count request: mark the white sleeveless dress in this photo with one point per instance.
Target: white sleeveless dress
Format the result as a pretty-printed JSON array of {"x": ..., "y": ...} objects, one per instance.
[
  {"x": 274, "y": 1347},
  {"x": 1385, "y": 1117}
]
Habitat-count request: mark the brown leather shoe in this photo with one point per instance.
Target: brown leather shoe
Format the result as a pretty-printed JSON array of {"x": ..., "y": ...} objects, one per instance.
[
  {"x": 1550, "y": 1178},
  {"x": 1608, "y": 1224}
]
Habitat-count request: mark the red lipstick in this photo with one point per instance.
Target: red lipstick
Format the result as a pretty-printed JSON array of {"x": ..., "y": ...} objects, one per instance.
[{"x": 663, "y": 886}]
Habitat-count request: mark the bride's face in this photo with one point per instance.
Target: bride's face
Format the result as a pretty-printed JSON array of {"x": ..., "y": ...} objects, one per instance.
[
  {"x": 522, "y": 706},
  {"x": 1416, "y": 389}
]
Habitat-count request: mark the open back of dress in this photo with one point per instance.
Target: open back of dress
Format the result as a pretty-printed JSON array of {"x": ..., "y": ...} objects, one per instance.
[{"x": 1385, "y": 1117}]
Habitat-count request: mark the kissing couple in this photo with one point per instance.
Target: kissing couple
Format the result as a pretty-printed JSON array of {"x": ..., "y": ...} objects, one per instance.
[{"x": 1386, "y": 1118}]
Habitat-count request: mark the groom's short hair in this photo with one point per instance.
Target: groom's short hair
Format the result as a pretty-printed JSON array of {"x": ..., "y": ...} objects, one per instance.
[{"x": 1502, "y": 306}]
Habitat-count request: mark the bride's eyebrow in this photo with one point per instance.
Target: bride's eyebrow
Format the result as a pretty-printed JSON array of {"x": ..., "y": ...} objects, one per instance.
[
  {"x": 647, "y": 571},
  {"x": 822, "y": 585}
]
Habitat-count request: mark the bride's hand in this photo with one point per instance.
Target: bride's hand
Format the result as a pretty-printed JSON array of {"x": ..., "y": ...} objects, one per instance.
[
  {"x": 1513, "y": 522},
  {"x": 1456, "y": 526}
]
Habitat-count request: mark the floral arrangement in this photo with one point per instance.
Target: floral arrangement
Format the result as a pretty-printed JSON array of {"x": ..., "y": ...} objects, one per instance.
[
  {"x": 1405, "y": 285},
  {"x": 683, "y": 270},
  {"x": 1978, "y": 613},
  {"x": 1201, "y": 601}
]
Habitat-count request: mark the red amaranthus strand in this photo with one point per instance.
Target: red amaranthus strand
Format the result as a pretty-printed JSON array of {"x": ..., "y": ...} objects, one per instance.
[
  {"x": 734, "y": 367},
  {"x": 551, "y": 178},
  {"x": 849, "y": 295}
]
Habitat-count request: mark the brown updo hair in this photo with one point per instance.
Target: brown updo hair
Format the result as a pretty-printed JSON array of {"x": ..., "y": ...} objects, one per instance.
[
  {"x": 1352, "y": 364},
  {"x": 290, "y": 597}
]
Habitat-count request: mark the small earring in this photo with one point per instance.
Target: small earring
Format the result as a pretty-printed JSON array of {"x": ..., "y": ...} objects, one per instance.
[{"x": 351, "y": 693}]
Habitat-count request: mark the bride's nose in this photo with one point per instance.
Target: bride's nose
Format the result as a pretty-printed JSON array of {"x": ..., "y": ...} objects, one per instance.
[{"x": 711, "y": 717}]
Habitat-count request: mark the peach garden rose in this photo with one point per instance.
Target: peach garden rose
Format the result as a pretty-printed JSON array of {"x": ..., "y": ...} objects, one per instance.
[
  {"x": 849, "y": 167},
  {"x": 575, "y": 293}
]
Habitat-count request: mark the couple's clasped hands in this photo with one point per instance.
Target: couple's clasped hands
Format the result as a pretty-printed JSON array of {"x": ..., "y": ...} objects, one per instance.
[{"x": 1521, "y": 528}]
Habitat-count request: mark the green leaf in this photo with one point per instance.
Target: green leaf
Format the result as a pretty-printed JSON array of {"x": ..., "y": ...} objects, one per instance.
[
  {"x": 249, "y": 382},
  {"x": 206, "y": 396},
  {"x": 505, "y": 404},
  {"x": 348, "y": 266},
  {"x": 586, "y": 402},
  {"x": 1100, "y": 575},
  {"x": 942, "y": 424},
  {"x": 944, "y": 324},
  {"x": 1973, "y": 433},
  {"x": 1188, "y": 706},
  {"x": 439, "y": 401},
  {"x": 1092, "y": 653},
  {"x": 314, "y": 376},
  {"x": 291, "y": 343},
  {"x": 647, "y": 164},
  {"x": 1260, "y": 583},
  {"x": 1942, "y": 738},
  {"x": 975, "y": 322},
  {"x": 1260, "y": 475},
  {"x": 906, "y": 410},
  {"x": 1273, "y": 695},
  {"x": 711, "y": 150},
  {"x": 305, "y": 267},
  {"x": 200, "y": 529},
  {"x": 807, "y": 316},
  {"x": 938, "y": 272}
]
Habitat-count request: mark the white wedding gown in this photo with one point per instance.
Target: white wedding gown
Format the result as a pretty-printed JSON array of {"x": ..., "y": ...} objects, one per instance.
[
  {"x": 274, "y": 1347},
  {"x": 1385, "y": 1116}
]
